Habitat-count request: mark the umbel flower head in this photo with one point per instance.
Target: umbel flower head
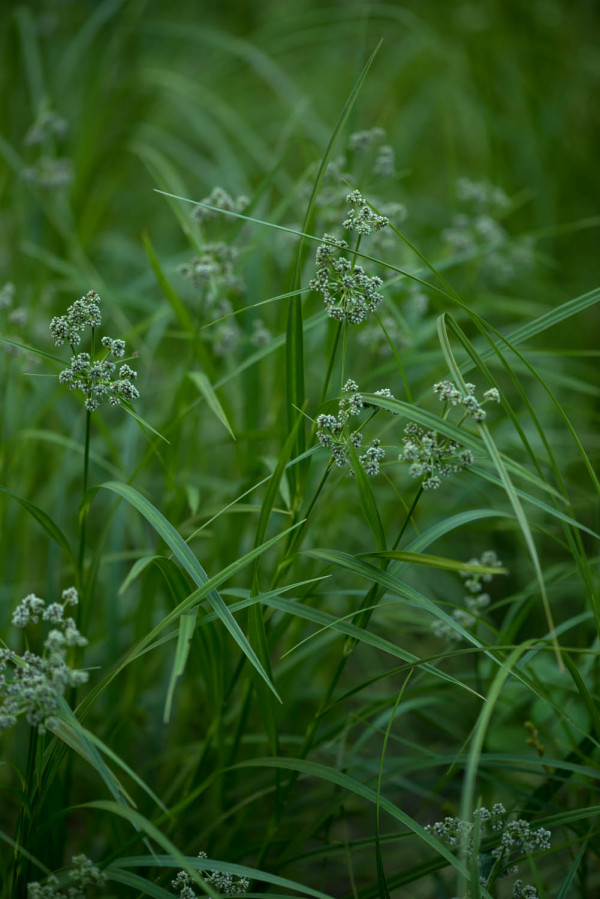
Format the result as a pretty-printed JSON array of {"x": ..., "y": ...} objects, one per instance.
[
  {"x": 348, "y": 292},
  {"x": 476, "y": 601},
  {"x": 227, "y": 884},
  {"x": 95, "y": 378},
  {"x": 31, "y": 685},
  {"x": 81, "y": 876},
  {"x": 362, "y": 218},
  {"x": 333, "y": 431},
  {"x": 433, "y": 456},
  {"x": 508, "y": 840}
]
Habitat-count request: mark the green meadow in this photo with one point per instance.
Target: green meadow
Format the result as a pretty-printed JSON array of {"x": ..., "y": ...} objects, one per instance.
[{"x": 299, "y": 409}]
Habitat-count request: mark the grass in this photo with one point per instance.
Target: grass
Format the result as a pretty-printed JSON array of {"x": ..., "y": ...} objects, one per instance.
[{"x": 283, "y": 668}]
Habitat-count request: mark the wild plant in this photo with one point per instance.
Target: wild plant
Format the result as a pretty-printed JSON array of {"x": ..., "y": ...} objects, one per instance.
[{"x": 264, "y": 583}]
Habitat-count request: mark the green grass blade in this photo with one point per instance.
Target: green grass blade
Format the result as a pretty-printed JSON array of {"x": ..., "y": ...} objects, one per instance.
[
  {"x": 190, "y": 563},
  {"x": 434, "y": 562},
  {"x": 143, "y": 861},
  {"x": 508, "y": 487},
  {"x": 331, "y": 775},
  {"x": 43, "y": 519},
  {"x": 179, "y": 310},
  {"x": 207, "y": 390},
  {"x": 141, "y": 823}
]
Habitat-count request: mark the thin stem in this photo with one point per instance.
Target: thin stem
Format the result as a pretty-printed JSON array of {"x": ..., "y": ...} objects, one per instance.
[
  {"x": 21, "y": 864},
  {"x": 83, "y": 513},
  {"x": 332, "y": 356}
]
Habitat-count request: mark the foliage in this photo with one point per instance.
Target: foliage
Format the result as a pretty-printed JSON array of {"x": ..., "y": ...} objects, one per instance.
[{"x": 292, "y": 681}]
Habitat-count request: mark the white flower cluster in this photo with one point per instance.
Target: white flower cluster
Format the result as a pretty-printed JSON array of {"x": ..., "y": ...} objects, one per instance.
[
  {"x": 48, "y": 171},
  {"x": 212, "y": 273},
  {"x": 226, "y": 884},
  {"x": 371, "y": 141},
  {"x": 362, "y": 218},
  {"x": 513, "y": 839},
  {"x": 333, "y": 433},
  {"x": 221, "y": 200},
  {"x": 349, "y": 294},
  {"x": 94, "y": 378},
  {"x": 432, "y": 456},
  {"x": 447, "y": 392},
  {"x": 30, "y": 684},
  {"x": 475, "y": 600},
  {"x": 213, "y": 268},
  {"x": 82, "y": 875},
  {"x": 478, "y": 230}
]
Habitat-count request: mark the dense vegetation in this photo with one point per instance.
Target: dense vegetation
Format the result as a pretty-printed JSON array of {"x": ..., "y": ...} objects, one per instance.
[{"x": 298, "y": 449}]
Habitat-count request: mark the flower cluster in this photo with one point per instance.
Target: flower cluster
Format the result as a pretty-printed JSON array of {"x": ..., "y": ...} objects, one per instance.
[
  {"x": 213, "y": 268},
  {"x": 447, "y": 392},
  {"x": 433, "y": 456},
  {"x": 348, "y": 292},
  {"x": 371, "y": 141},
  {"x": 477, "y": 230},
  {"x": 481, "y": 195},
  {"x": 30, "y": 684},
  {"x": 7, "y": 295},
  {"x": 220, "y": 199},
  {"x": 81, "y": 876},
  {"x": 362, "y": 218},
  {"x": 333, "y": 433},
  {"x": 227, "y": 884},
  {"x": 96, "y": 381},
  {"x": 83, "y": 313},
  {"x": 475, "y": 600},
  {"x": 509, "y": 842},
  {"x": 94, "y": 377},
  {"x": 48, "y": 172},
  {"x": 212, "y": 272},
  {"x": 261, "y": 336},
  {"x": 49, "y": 125}
]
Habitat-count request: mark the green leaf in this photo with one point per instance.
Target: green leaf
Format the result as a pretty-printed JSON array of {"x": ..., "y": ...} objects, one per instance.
[
  {"x": 190, "y": 563},
  {"x": 141, "y": 823},
  {"x": 181, "y": 313},
  {"x": 209, "y": 864},
  {"x": 434, "y": 562},
  {"x": 332, "y": 775},
  {"x": 206, "y": 389},
  {"x": 511, "y": 493},
  {"x": 45, "y": 521},
  {"x": 187, "y": 623},
  {"x": 141, "y": 421},
  {"x": 367, "y": 501}
]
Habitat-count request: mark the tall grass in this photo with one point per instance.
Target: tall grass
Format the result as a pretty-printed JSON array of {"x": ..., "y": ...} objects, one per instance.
[{"x": 290, "y": 665}]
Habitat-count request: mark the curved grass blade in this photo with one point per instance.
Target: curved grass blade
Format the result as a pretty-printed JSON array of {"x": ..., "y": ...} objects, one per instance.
[
  {"x": 434, "y": 422},
  {"x": 360, "y": 634},
  {"x": 141, "y": 823},
  {"x": 367, "y": 501},
  {"x": 331, "y": 775},
  {"x": 434, "y": 562},
  {"x": 142, "y": 861},
  {"x": 46, "y": 522},
  {"x": 145, "y": 425},
  {"x": 181, "y": 313},
  {"x": 207, "y": 390},
  {"x": 508, "y": 487},
  {"x": 190, "y": 563},
  {"x": 143, "y": 886}
]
